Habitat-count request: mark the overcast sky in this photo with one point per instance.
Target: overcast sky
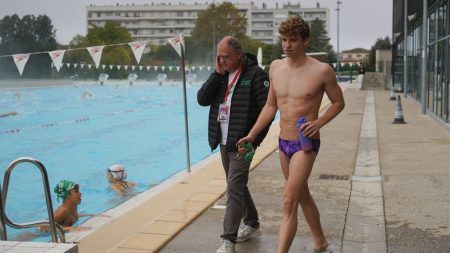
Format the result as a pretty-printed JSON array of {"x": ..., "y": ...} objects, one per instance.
[{"x": 361, "y": 21}]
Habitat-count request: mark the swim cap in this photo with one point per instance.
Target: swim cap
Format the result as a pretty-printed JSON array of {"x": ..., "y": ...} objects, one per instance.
[
  {"x": 118, "y": 171},
  {"x": 63, "y": 188}
]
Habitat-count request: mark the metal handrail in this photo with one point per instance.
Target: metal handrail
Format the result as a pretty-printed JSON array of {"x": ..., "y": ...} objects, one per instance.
[{"x": 51, "y": 220}]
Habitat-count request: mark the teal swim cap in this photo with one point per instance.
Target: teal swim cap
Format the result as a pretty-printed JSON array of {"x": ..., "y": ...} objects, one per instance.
[{"x": 63, "y": 188}]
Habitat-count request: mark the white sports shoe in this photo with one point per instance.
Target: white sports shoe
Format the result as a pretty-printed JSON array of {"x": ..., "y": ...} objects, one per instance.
[
  {"x": 247, "y": 232},
  {"x": 226, "y": 247}
]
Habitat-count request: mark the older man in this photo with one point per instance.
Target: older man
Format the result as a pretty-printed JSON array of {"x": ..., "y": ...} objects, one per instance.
[{"x": 236, "y": 93}]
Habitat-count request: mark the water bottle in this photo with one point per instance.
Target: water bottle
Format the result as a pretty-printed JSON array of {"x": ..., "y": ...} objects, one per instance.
[{"x": 304, "y": 140}]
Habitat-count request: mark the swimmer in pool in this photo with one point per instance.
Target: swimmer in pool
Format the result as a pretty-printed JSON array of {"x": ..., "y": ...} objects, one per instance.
[
  {"x": 66, "y": 214},
  {"x": 116, "y": 175},
  {"x": 4, "y": 115}
]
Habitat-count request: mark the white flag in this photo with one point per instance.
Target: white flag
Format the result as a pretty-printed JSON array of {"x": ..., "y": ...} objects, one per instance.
[
  {"x": 125, "y": 67},
  {"x": 178, "y": 68},
  {"x": 89, "y": 66},
  {"x": 170, "y": 68},
  {"x": 133, "y": 67},
  {"x": 163, "y": 67},
  {"x": 148, "y": 68},
  {"x": 138, "y": 48},
  {"x": 96, "y": 54},
  {"x": 20, "y": 60},
  {"x": 176, "y": 43},
  {"x": 68, "y": 65},
  {"x": 208, "y": 68},
  {"x": 193, "y": 68},
  {"x": 155, "y": 68},
  {"x": 140, "y": 67},
  {"x": 119, "y": 66},
  {"x": 57, "y": 57},
  {"x": 111, "y": 66},
  {"x": 75, "y": 65},
  {"x": 81, "y": 65},
  {"x": 200, "y": 68}
]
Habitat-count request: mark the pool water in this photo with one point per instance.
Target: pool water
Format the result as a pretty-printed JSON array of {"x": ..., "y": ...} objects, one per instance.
[{"x": 78, "y": 131}]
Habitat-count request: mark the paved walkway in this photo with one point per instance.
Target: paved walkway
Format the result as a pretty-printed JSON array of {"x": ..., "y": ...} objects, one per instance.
[{"x": 380, "y": 187}]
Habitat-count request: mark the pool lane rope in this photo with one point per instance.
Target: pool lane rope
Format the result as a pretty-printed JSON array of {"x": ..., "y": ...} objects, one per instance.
[{"x": 84, "y": 119}]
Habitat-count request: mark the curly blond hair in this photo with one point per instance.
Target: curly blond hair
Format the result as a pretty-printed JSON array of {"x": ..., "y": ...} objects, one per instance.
[{"x": 294, "y": 26}]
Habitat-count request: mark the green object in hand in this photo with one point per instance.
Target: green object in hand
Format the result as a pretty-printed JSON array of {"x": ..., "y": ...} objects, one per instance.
[{"x": 250, "y": 151}]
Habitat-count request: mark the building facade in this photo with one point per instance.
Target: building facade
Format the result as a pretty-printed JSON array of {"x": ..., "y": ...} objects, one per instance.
[
  {"x": 162, "y": 21},
  {"x": 425, "y": 49},
  {"x": 355, "y": 55}
]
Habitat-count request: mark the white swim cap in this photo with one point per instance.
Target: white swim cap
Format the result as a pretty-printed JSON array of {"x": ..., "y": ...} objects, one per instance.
[{"x": 118, "y": 171}]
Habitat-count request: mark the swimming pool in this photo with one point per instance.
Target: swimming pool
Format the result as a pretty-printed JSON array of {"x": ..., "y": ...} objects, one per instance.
[{"x": 78, "y": 131}]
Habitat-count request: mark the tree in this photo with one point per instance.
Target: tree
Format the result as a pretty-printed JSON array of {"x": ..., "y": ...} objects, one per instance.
[
  {"x": 27, "y": 35},
  {"x": 318, "y": 41},
  {"x": 379, "y": 44},
  {"x": 214, "y": 23},
  {"x": 109, "y": 34}
]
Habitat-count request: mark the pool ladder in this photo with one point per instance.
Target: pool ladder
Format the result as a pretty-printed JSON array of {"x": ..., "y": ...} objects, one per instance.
[{"x": 4, "y": 220}]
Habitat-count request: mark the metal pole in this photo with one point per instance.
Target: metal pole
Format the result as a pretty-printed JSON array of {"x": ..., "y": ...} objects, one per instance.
[
  {"x": 424, "y": 77},
  {"x": 186, "y": 124},
  {"x": 338, "y": 56},
  {"x": 405, "y": 47},
  {"x": 214, "y": 44}
]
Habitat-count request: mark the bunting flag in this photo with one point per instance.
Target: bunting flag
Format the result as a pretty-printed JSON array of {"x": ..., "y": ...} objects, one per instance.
[
  {"x": 170, "y": 68},
  {"x": 176, "y": 43},
  {"x": 148, "y": 68},
  {"x": 178, "y": 68},
  {"x": 125, "y": 67},
  {"x": 103, "y": 66},
  {"x": 75, "y": 65},
  {"x": 111, "y": 66},
  {"x": 334, "y": 65},
  {"x": 133, "y": 67},
  {"x": 263, "y": 67},
  {"x": 140, "y": 67},
  {"x": 193, "y": 68},
  {"x": 96, "y": 54},
  {"x": 81, "y": 65},
  {"x": 89, "y": 66},
  {"x": 57, "y": 57},
  {"x": 68, "y": 65},
  {"x": 119, "y": 66},
  {"x": 138, "y": 48},
  {"x": 155, "y": 68},
  {"x": 208, "y": 68},
  {"x": 163, "y": 67},
  {"x": 200, "y": 68},
  {"x": 20, "y": 60}
]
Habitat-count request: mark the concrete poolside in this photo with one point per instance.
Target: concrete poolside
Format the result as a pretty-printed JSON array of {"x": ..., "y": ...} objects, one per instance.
[{"x": 367, "y": 194}]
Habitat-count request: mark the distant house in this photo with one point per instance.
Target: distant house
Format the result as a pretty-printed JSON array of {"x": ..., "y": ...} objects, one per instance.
[{"x": 355, "y": 55}]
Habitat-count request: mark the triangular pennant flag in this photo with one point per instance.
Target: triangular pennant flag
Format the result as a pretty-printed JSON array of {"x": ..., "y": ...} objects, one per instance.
[
  {"x": 119, "y": 66},
  {"x": 334, "y": 65},
  {"x": 209, "y": 68},
  {"x": 176, "y": 43},
  {"x": 103, "y": 66},
  {"x": 68, "y": 65},
  {"x": 140, "y": 67},
  {"x": 57, "y": 57},
  {"x": 111, "y": 66},
  {"x": 125, "y": 67},
  {"x": 163, "y": 67},
  {"x": 75, "y": 65},
  {"x": 155, "y": 68},
  {"x": 263, "y": 67},
  {"x": 20, "y": 60},
  {"x": 193, "y": 68},
  {"x": 351, "y": 64},
  {"x": 132, "y": 67},
  {"x": 200, "y": 68},
  {"x": 89, "y": 66},
  {"x": 81, "y": 65},
  {"x": 138, "y": 48},
  {"x": 96, "y": 54},
  {"x": 148, "y": 68},
  {"x": 170, "y": 68},
  {"x": 178, "y": 68}
]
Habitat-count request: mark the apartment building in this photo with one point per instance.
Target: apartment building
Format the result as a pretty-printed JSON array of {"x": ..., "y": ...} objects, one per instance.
[{"x": 162, "y": 21}]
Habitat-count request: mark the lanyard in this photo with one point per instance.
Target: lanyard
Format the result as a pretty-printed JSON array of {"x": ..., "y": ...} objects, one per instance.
[{"x": 230, "y": 85}]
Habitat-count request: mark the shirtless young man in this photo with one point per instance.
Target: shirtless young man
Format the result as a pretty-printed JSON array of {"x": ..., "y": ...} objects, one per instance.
[{"x": 298, "y": 85}]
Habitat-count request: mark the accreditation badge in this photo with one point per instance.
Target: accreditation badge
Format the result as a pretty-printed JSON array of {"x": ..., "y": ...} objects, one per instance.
[{"x": 223, "y": 113}]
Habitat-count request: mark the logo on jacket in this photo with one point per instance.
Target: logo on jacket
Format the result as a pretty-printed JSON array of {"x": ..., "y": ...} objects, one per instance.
[
  {"x": 266, "y": 83},
  {"x": 245, "y": 82}
]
